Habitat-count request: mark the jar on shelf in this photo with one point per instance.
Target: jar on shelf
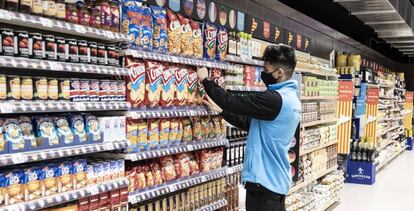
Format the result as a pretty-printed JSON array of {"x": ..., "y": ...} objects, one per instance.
[
  {"x": 71, "y": 13},
  {"x": 95, "y": 18},
  {"x": 25, "y": 6},
  {"x": 83, "y": 15},
  {"x": 11, "y": 5},
  {"x": 37, "y": 7},
  {"x": 60, "y": 9},
  {"x": 49, "y": 8}
]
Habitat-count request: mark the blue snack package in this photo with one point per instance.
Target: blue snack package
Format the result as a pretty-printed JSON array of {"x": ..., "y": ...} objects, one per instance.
[
  {"x": 79, "y": 171},
  {"x": 14, "y": 187},
  {"x": 146, "y": 29},
  {"x": 222, "y": 43},
  {"x": 209, "y": 41},
  {"x": 78, "y": 127},
  {"x": 50, "y": 182},
  {"x": 63, "y": 129},
  {"x": 26, "y": 126},
  {"x": 65, "y": 181},
  {"x": 129, "y": 10},
  {"x": 45, "y": 128},
  {"x": 134, "y": 37},
  {"x": 159, "y": 26},
  {"x": 13, "y": 134},
  {"x": 33, "y": 178},
  {"x": 92, "y": 127}
]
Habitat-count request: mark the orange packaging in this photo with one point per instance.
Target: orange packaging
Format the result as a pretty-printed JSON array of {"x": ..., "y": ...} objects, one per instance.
[
  {"x": 164, "y": 131},
  {"x": 142, "y": 134},
  {"x": 130, "y": 172},
  {"x": 192, "y": 87},
  {"x": 168, "y": 85},
  {"x": 156, "y": 173},
  {"x": 154, "y": 72},
  {"x": 198, "y": 131},
  {"x": 149, "y": 179},
  {"x": 167, "y": 168},
  {"x": 140, "y": 180},
  {"x": 175, "y": 136},
  {"x": 132, "y": 135},
  {"x": 182, "y": 164},
  {"x": 135, "y": 82},
  {"x": 182, "y": 86},
  {"x": 153, "y": 133}
]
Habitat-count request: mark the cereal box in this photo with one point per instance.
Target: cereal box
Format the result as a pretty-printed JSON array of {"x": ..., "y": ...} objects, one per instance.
[
  {"x": 14, "y": 187},
  {"x": 174, "y": 33},
  {"x": 50, "y": 183},
  {"x": 197, "y": 39},
  {"x": 168, "y": 85},
  {"x": 146, "y": 29},
  {"x": 65, "y": 180},
  {"x": 222, "y": 43},
  {"x": 153, "y": 133},
  {"x": 79, "y": 174},
  {"x": 135, "y": 82},
  {"x": 152, "y": 83},
  {"x": 142, "y": 134},
  {"x": 192, "y": 87},
  {"x": 13, "y": 134},
  {"x": 92, "y": 127},
  {"x": 164, "y": 130},
  {"x": 210, "y": 36},
  {"x": 186, "y": 36},
  {"x": 33, "y": 178},
  {"x": 45, "y": 129},
  {"x": 78, "y": 127},
  {"x": 25, "y": 124},
  {"x": 132, "y": 135},
  {"x": 187, "y": 130},
  {"x": 181, "y": 85},
  {"x": 63, "y": 129},
  {"x": 159, "y": 23}
]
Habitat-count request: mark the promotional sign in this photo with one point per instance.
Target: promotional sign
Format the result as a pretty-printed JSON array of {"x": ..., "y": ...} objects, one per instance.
[
  {"x": 371, "y": 114},
  {"x": 344, "y": 115},
  {"x": 408, "y": 110}
]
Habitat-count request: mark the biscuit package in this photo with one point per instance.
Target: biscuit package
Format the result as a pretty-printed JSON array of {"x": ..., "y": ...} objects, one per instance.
[
  {"x": 79, "y": 172},
  {"x": 159, "y": 23},
  {"x": 140, "y": 179},
  {"x": 187, "y": 130},
  {"x": 192, "y": 87},
  {"x": 33, "y": 178},
  {"x": 167, "y": 168},
  {"x": 149, "y": 179},
  {"x": 45, "y": 128},
  {"x": 142, "y": 134},
  {"x": 209, "y": 41},
  {"x": 14, "y": 187},
  {"x": 168, "y": 85},
  {"x": 63, "y": 129},
  {"x": 186, "y": 36},
  {"x": 222, "y": 43},
  {"x": 65, "y": 180},
  {"x": 164, "y": 130},
  {"x": 135, "y": 82},
  {"x": 174, "y": 33},
  {"x": 208, "y": 127},
  {"x": 77, "y": 125},
  {"x": 50, "y": 182},
  {"x": 175, "y": 130},
  {"x": 25, "y": 124},
  {"x": 129, "y": 11},
  {"x": 182, "y": 86},
  {"x": 198, "y": 130},
  {"x": 194, "y": 168},
  {"x": 134, "y": 34},
  {"x": 92, "y": 127},
  {"x": 13, "y": 134},
  {"x": 156, "y": 173},
  {"x": 153, "y": 80},
  {"x": 153, "y": 134},
  {"x": 197, "y": 39}
]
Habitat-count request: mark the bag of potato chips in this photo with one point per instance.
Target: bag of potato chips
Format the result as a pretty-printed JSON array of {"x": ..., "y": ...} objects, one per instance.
[
  {"x": 192, "y": 87},
  {"x": 222, "y": 44},
  {"x": 197, "y": 39},
  {"x": 174, "y": 33},
  {"x": 159, "y": 24},
  {"x": 152, "y": 83},
  {"x": 135, "y": 82},
  {"x": 168, "y": 85},
  {"x": 186, "y": 36},
  {"x": 181, "y": 85},
  {"x": 210, "y": 36}
]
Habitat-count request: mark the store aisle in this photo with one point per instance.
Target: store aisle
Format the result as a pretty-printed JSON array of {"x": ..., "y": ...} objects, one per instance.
[{"x": 393, "y": 190}]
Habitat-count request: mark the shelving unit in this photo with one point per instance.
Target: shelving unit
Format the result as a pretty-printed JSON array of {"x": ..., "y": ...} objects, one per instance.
[
  {"x": 303, "y": 184},
  {"x": 171, "y": 112},
  {"x": 321, "y": 98},
  {"x": 307, "y": 151},
  {"x": 319, "y": 122},
  {"x": 214, "y": 206}
]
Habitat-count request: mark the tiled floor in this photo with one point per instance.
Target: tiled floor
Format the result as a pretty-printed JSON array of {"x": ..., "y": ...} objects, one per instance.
[{"x": 392, "y": 191}]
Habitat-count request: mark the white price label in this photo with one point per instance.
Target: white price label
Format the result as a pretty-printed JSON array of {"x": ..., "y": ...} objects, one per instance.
[
  {"x": 203, "y": 179},
  {"x": 80, "y": 106},
  {"x": 6, "y": 108},
  {"x": 172, "y": 188},
  {"x": 110, "y": 35},
  {"x": 190, "y": 147},
  {"x": 4, "y": 15},
  {"x": 133, "y": 200},
  {"x": 18, "y": 158},
  {"x": 80, "y": 29},
  {"x": 93, "y": 190},
  {"x": 111, "y": 147},
  {"x": 46, "y": 22}
]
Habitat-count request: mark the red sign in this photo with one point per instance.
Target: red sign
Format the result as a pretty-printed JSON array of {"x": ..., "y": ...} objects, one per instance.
[
  {"x": 409, "y": 97},
  {"x": 266, "y": 30},
  {"x": 345, "y": 91},
  {"x": 372, "y": 96}
]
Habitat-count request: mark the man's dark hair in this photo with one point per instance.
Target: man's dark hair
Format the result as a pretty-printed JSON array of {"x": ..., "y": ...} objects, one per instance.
[{"x": 281, "y": 56}]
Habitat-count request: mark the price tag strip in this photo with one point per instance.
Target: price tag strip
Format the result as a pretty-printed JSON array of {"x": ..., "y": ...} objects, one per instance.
[
  {"x": 67, "y": 196},
  {"x": 175, "y": 185},
  {"x": 214, "y": 206},
  {"x": 169, "y": 112},
  {"x": 185, "y": 147}
]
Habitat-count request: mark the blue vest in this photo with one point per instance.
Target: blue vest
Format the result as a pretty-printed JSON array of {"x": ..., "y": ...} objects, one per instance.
[{"x": 268, "y": 143}]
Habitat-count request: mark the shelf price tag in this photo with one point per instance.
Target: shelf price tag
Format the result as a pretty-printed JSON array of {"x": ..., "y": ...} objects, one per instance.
[
  {"x": 93, "y": 190},
  {"x": 18, "y": 158},
  {"x": 133, "y": 200},
  {"x": 172, "y": 188},
  {"x": 46, "y": 22},
  {"x": 80, "y": 29}
]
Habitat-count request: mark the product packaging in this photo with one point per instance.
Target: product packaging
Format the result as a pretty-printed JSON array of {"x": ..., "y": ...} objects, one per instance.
[
  {"x": 153, "y": 80},
  {"x": 182, "y": 86},
  {"x": 168, "y": 85},
  {"x": 159, "y": 22},
  {"x": 209, "y": 40}
]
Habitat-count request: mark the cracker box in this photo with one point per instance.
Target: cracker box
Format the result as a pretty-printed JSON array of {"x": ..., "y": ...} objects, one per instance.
[
  {"x": 222, "y": 43},
  {"x": 135, "y": 82},
  {"x": 164, "y": 130},
  {"x": 13, "y": 135},
  {"x": 33, "y": 178},
  {"x": 92, "y": 128},
  {"x": 209, "y": 41},
  {"x": 50, "y": 183},
  {"x": 77, "y": 125},
  {"x": 159, "y": 23},
  {"x": 14, "y": 187},
  {"x": 168, "y": 85},
  {"x": 65, "y": 180},
  {"x": 153, "y": 80},
  {"x": 153, "y": 134},
  {"x": 192, "y": 87},
  {"x": 45, "y": 131},
  {"x": 142, "y": 134},
  {"x": 63, "y": 130},
  {"x": 182, "y": 86},
  {"x": 79, "y": 174}
]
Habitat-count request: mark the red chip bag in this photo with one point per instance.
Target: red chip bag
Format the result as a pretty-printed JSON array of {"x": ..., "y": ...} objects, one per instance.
[
  {"x": 140, "y": 181},
  {"x": 168, "y": 85},
  {"x": 181, "y": 85},
  {"x": 167, "y": 168},
  {"x": 192, "y": 87},
  {"x": 135, "y": 89},
  {"x": 130, "y": 172},
  {"x": 148, "y": 176},
  {"x": 186, "y": 36},
  {"x": 174, "y": 33},
  {"x": 182, "y": 165},
  {"x": 156, "y": 173},
  {"x": 194, "y": 167},
  {"x": 153, "y": 80}
]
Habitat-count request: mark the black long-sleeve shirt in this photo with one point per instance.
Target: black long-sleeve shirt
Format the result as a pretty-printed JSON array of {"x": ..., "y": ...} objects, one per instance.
[{"x": 239, "y": 110}]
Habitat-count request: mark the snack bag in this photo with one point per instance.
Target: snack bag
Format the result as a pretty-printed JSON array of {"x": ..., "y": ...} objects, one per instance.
[
  {"x": 148, "y": 176},
  {"x": 181, "y": 85},
  {"x": 164, "y": 131},
  {"x": 197, "y": 39},
  {"x": 142, "y": 134},
  {"x": 182, "y": 164},
  {"x": 146, "y": 29},
  {"x": 168, "y": 85},
  {"x": 153, "y": 134},
  {"x": 65, "y": 181},
  {"x": 14, "y": 190},
  {"x": 140, "y": 180},
  {"x": 187, "y": 130},
  {"x": 134, "y": 34},
  {"x": 194, "y": 168},
  {"x": 130, "y": 172},
  {"x": 217, "y": 126},
  {"x": 63, "y": 129},
  {"x": 167, "y": 168},
  {"x": 45, "y": 128},
  {"x": 186, "y": 36},
  {"x": 174, "y": 33},
  {"x": 92, "y": 127},
  {"x": 208, "y": 127},
  {"x": 26, "y": 126},
  {"x": 222, "y": 43},
  {"x": 159, "y": 23},
  {"x": 198, "y": 132},
  {"x": 129, "y": 11},
  {"x": 79, "y": 173},
  {"x": 132, "y": 135},
  {"x": 204, "y": 159},
  {"x": 13, "y": 134},
  {"x": 201, "y": 94},
  {"x": 156, "y": 173},
  {"x": 78, "y": 127},
  {"x": 209, "y": 41},
  {"x": 135, "y": 82},
  {"x": 173, "y": 136},
  {"x": 33, "y": 178},
  {"x": 152, "y": 83},
  {"x": 192, "y": 87}
]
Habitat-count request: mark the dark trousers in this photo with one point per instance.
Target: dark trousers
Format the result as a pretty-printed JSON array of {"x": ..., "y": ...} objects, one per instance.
[{"x": 258, "y": 198}]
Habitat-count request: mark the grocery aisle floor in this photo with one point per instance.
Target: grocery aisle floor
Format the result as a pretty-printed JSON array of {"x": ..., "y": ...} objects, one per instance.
[{"x": 392, "y": 191}]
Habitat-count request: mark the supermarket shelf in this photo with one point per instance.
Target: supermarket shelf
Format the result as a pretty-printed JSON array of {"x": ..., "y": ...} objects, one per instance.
[
  {"x": 185, "y": 147},
  {"x": 316, "y": 72},
  {"x": 382, "y": 165},
  {"x": 179, "y": 111},
  {"x": 62, "y": 198},
  {"x": 319, "y": 122},
  {"x": 44, "y": 65},
  {"x": 8, "y": 107},
  {"x": 393, "y": 128},
  {"x": 334, "y": 98},
  {"x": 308, "y": 181},
  {"x": 62, "y": 152},
  {"x": 234, "y": 169},
  {"x": 238, "y": 139},
  {"x": 240, "y": 60},
  {"x": 175, "y": 185},
  {"x": 41, "y": 23},
  {"x": 387, "y": 97},
  {"x": 385, "y": 85},
  {"x": 245, "y": 88},
  {"x": 176, "y": 59},
  {"x": 385, "y": 145},
  {"x": 331, "y": 203},
  {"x": 307, "y": 151},
  {"x": 214, "y": 206}
]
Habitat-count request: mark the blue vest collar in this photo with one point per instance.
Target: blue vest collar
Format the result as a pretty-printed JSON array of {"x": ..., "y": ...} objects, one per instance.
[{"x": 288, "y": 84}]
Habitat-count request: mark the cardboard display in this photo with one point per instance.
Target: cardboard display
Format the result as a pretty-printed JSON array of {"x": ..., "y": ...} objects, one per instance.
[{"x": 344, "y": 115}]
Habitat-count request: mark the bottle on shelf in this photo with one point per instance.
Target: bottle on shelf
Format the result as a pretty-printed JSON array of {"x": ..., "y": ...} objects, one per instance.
[
  {"x": 238, "y": 44},
  {"x": 354, "y": 150}
]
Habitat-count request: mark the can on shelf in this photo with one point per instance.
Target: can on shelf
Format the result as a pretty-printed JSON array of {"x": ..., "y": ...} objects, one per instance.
[
  {"x": 3, "y": 87},
  {"x": 50, "y": 47},
  {"x": 94, "y": 90},
  {"x": 40, "y": 87},
  {"x": 37, "y": 45},
  {"x": 73, "y": 50},
  {"x": 84, "y": 90},
  {"x": 121, "y": 91},
  {"x": 26, "y": 88},
  {"x": 74, "y": 89},
  {"x": 61, "y": 49},
  {"x": 93, "y": 49},
  {"x": 13, "y": 87},
  {"x": 113, "y": 90},
  {"x": 83, "y": 51},
  {"x": 23, "y": 45},
  {"x": 104, "y": 90},
  {"x": 7, "y": 42},
  {"x": 102, "y": 54},
  {"x": 52, "y": 89},
  {"x": 64, "y": 89}
]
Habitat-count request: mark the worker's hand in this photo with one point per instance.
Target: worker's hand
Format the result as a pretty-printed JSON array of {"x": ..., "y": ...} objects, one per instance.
[
  {"x": 202, "y": 73},
  {"x": 212, "y": 105}
]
